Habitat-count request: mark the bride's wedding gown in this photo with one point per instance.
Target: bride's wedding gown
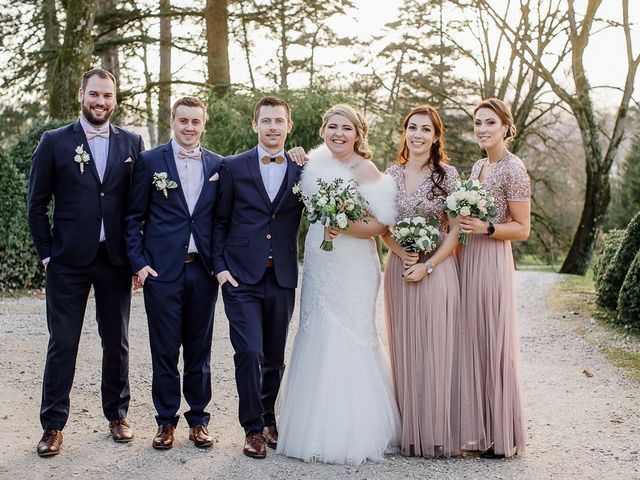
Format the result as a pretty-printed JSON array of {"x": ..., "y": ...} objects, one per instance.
[{"x": 337, "y": 403}]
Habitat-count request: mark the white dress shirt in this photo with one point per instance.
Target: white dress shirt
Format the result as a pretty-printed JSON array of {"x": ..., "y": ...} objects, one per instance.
[
  {"x": 272, "y": 173},
  {"x": 99, "y": 147},
  {"x": 191, "y": 173}
]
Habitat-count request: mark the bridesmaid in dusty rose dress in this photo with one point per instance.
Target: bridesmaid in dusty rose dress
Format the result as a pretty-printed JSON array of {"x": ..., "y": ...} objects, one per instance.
[
  {"x": 492, "y": 418},
  {"x": 422, "y": 299}
]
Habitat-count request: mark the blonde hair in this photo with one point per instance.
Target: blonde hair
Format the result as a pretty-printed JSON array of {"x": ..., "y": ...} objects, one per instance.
[{"x": 361, "y": 145}]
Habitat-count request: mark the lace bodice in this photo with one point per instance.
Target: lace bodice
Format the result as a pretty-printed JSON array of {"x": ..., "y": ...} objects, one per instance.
[
  {"x": 421, "y": 202},
  {"x": 507, "y": 181}
]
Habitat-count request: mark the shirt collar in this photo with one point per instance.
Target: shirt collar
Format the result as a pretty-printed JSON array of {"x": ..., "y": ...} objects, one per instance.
[
  {"x": 176, "y": 147},
  {"x": 87, "y": 126},
  {"x": 262, "y": 152}
]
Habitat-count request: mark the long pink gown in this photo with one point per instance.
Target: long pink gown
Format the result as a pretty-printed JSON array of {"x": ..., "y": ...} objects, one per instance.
[
  {"x": 491, "y": 393},
  {"x": 422, "y": 323}
]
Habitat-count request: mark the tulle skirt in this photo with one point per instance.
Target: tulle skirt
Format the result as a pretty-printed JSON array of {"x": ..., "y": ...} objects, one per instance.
[
  {"x": 422, "y": 324},
  {"x": 491, "y": 394}
]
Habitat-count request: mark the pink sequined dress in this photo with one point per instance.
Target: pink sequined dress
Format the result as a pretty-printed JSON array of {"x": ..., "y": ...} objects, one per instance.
[
  {"x": 491, "y": 394},
  {"x": 422, "y": 324}
]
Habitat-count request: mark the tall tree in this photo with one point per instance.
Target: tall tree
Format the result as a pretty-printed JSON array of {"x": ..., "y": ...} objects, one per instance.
[
  {"x": 110, "y": 58},
  {"x": 216, "y": 16},
  {"x": 600, "y": 150},
  {"x": 73, "y": 58},
  {"x": 164, "y": 89},
  {"x": 625, "y": 201}
]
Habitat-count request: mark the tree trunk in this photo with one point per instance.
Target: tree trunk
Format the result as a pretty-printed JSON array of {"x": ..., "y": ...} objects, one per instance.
[
  {"x": 111, "y": 58},
  {"x": 73, "y": 59},
  {"x": 216, "y": 17},
  {"x": 51, "y": 36},
  {"x": 164, "y": 90},
  {"x": 284, "y": 45},
  {"x": 246, "y": 46}
]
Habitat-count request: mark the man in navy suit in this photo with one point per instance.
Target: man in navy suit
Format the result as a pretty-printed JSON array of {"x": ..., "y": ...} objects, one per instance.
[
  {"x": 256, "y": 230},
  {"x": 169, "y": 243},
  {"x": 86, "y": 168}
]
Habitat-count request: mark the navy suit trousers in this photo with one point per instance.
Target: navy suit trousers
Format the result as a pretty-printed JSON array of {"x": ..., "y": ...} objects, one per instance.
[
  {"x": 67, "y": 292},
  {"x": 259, "y": 317},
  {"x": 180, "y": 313}
]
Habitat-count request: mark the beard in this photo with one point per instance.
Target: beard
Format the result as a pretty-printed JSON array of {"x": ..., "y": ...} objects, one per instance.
[{"x": 92, "y": 119}]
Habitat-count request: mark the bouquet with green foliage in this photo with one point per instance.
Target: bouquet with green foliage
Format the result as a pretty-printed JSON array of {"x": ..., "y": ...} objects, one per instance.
[
  {"x": 417, "y": 234},
  {"x": 470, "y": 199},
  {"x": 334, "y": 205}
]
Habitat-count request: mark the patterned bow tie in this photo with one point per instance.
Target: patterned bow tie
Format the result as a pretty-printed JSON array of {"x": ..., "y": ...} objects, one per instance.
[
  {"x": 97, "y": 132},
  {"x": 267, "y": 159},
  {"x": 192, "y": 154}
]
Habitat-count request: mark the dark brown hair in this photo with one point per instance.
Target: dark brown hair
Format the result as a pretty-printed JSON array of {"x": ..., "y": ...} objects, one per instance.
[
  {"x": 437, "y": 153},
  {"x": 503, "y": 112},
  {"x": 270, "y": 101},
  {"x": 189, "y": 102},
  {"x": 97, "y": 72}
]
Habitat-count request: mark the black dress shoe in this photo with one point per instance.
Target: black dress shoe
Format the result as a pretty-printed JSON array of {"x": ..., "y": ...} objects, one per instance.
[
  {"x": 491, "y": 454},
  {"x": 271, "y": 435},
  {"x": 164, "y": 438},
  {"x": 50, "y": 443}
]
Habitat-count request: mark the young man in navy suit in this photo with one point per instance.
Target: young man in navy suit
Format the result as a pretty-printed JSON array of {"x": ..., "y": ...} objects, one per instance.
[
  {"x": 256, "y": 264},
  {"x": 169, "y": 243},
  {"x": 85, "y": 167}
]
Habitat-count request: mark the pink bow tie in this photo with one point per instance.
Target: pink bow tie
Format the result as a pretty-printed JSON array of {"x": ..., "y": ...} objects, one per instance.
[
  {"x": 192, "y": 154},
  {"x": 97, "y": 132}
]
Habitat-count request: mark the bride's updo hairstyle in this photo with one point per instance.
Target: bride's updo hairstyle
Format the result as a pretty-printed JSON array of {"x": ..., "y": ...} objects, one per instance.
[
  {"x": 361, "y": 145},
  {"x": 503, "y": 112},
  {"x": 437, "y": 153}
]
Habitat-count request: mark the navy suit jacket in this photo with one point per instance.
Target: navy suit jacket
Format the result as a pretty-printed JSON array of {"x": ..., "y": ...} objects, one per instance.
[
  {"x": 158, "y": 227},
  {"x": 81, "y": 201},
  {"x": 249, "y": 226}
]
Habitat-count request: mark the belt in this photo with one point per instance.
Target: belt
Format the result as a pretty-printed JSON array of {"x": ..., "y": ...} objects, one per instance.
[
  {"x": 269, "y": 262},
  {"x": 191, "y": 257}
]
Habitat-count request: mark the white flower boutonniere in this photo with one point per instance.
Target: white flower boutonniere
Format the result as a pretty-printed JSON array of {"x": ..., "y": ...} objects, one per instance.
[
  {"x": 81, "y": 158},
  {"x": 163, "y": 183}
]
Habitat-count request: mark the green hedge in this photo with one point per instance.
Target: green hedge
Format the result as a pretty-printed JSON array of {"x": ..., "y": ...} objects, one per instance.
[
  {"x": 19, "y": 265},
  {"x": 20, "y": 152},
  {"x": 613, "y": 277},
  {"x": 610, "y": 244},
  {"x": 629, "y": 299}
]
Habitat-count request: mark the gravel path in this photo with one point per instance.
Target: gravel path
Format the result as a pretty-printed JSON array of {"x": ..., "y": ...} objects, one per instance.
[{"x": 579, "y": 427}]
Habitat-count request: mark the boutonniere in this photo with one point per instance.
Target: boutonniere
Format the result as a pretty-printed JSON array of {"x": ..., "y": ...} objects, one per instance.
[
  {"x": 81, "y": 158},
  {"x": 162, "y": 183}
]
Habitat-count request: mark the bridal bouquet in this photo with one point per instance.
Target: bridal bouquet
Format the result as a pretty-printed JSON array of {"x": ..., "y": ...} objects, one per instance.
[
  {"x": 470, "y": 199},
  {"x": 334, "y": 205},
  {"x": 416, "y": 234}
]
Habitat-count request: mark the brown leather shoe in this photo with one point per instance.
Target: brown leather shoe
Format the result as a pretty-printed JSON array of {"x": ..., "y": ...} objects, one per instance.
[
  {"x": 50, "y": 443},
  {"x": 199, "y": 435},
  {"x": 271, "y": 435},
  {"x": 121, "y": 430},
  {"x": 164, "y": 438},
  {"x": 255, "y": 445}
]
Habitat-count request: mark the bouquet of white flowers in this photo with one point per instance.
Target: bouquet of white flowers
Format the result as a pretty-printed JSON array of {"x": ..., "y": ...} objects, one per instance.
[
  {"x": 334, "y": 205},
  {"x": 470, "y": 199},
  {"x": 416, "y": 234}
]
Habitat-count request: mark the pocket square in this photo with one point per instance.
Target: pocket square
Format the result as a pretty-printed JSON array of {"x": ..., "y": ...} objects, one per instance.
[
  {"x": 128, "y": 160},
  {"x": 214, "y": 177}
]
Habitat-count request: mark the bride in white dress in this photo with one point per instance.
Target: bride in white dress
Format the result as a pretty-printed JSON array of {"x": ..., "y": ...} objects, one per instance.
[{"x": 337, "y": 403}]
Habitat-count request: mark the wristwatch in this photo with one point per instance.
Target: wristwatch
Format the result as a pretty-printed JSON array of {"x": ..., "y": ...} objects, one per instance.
[
  {"x": 429, "y": 266},
  {"x": 490, "y": 230}
]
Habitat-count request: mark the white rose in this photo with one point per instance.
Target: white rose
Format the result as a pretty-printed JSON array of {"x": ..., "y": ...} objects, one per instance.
[
  {"x": 341, "y": 220},
  {"x": 403, "y": 232},
  {"x": 322, "y": 201},
  {"x": 79, "y": 149},
  {"x": 422, "y": 232},
  {"x": 465, "y": 211},
  {"x": 419, "y": 220},
  {"x": 451, "y": 203}
]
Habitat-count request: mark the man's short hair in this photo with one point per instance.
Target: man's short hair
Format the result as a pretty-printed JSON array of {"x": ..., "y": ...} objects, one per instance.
[
  {"x": 189, "y": 102},
  {"x": 97, "y": 72},
  {"x": 270, "y": 101}
]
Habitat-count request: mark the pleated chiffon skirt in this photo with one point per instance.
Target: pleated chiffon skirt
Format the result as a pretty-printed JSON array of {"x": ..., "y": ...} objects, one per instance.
[
  {"x": 422, "y": 325},
  {"x": 491, "y": 409}
]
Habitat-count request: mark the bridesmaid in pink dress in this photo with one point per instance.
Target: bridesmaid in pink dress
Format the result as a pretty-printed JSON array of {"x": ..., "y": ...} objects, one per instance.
[
  {"x": 492, "y": 419},
  {"x": 422, "y": 299}
]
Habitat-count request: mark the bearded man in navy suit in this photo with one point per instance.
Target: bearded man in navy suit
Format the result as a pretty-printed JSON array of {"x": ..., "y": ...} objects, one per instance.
[
  {"x": 170, "y": 247},
  {"x": 256, "y": 262},
  {"x": 85, "y": 167}
]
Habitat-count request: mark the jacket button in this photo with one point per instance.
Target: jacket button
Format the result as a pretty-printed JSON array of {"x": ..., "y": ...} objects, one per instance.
[
  {"x": 273, "y": 217},
  {"x": 268, "y": 236},
  {"x": 102, "y": 194}
]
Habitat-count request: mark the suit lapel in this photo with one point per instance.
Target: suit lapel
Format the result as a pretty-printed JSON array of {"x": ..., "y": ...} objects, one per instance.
[
  {"x": 169, "y": 159},
  {"x": 208, "y": 161},
  {"x": 81, "y": 139},
  {"x": 114, "y": 152},
  {"x": 289, "y": 178},
  {"x": 254, "y": 170}
]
